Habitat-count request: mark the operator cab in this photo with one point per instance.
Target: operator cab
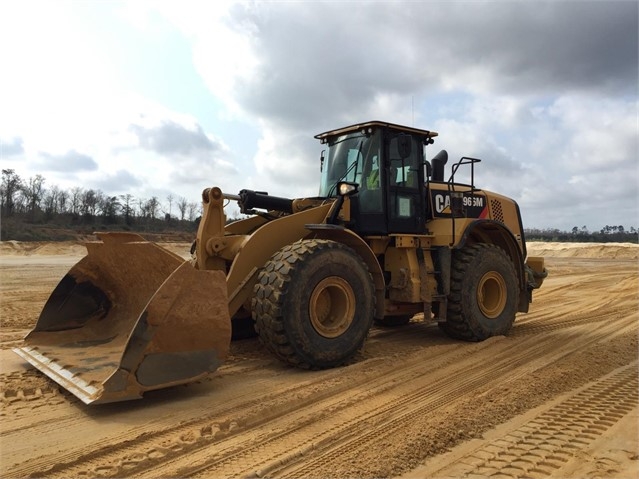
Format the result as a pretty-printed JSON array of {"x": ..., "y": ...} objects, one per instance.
[{"x": 387, "y": 163}]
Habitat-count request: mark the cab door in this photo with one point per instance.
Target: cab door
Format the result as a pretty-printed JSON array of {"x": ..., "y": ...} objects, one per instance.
[{"x": 405, "y": 202}]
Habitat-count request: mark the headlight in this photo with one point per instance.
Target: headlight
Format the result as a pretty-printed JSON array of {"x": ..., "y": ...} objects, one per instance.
[{"x": 346, "y": 189}]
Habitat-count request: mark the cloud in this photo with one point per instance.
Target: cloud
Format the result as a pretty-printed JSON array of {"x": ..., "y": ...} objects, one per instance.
[
  {"x": 284, "y": 164},
  {"x": 71, "y": 161},
  {"x": 191, "y": 175},
  {"x": 545, "y": 93},
  {"x": 314, "y": 61},
  {"x": 13, "y": 147},
  {"x": 170, "y": 138},
  {"x": 538, "y": 47},
  {"x": 186, "y": 157},
  {"x": 120, "y": 182},
  {"x": 306, "y": 67},
  {"x": 601, "y": 132}
]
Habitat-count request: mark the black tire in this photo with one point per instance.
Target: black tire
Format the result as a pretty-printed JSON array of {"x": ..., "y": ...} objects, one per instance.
[
  {"x": 483, "y": 294},
  {"x": 314, "y": 303},
  {"x": 394, "y": 321}
]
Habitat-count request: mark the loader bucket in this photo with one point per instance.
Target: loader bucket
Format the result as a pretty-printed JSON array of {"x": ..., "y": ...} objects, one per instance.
[{"x": 128, "y": 318}]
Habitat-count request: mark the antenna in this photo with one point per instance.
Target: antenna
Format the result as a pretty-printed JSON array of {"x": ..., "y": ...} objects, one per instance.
[{"x": 412, "y": 110}]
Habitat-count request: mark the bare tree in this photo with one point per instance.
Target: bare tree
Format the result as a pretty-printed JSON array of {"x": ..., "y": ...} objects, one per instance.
[
  {"x": 10, "y": 187},
  {"x": 182, "y": 206},
  {"x": 193, "y": 211},
  {"x": 127, "y": 208},
  {"x": 89, "y": 201},
  {"x": 109, "y": 206},
  {"x": 33, "y": 193},
  {"x": 76, "y": 200},
  {"x": 63, "y": 198},
  {"x": 149, "y": 208},
  {"x": 142, "y": 208},
  {"x": 154, "y": 206},
  {"x": 170, "y": 199},
  {"x": 50, "y": 201}
]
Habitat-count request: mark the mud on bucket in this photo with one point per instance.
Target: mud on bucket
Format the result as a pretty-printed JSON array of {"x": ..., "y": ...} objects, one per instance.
[{"x": 128, "y": 318}]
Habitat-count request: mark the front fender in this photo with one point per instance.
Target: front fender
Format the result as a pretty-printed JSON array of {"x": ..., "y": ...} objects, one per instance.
[{"x": 263, "y": 243}]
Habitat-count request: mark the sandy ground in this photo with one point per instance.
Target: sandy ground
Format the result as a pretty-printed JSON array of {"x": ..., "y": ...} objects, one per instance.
[{"x": 557, "y": 397}]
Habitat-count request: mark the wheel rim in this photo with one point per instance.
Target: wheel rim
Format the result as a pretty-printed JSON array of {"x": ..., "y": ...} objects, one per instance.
[
  {"x": 332, "y": 307},
  {"x": 491, "y": 294}
]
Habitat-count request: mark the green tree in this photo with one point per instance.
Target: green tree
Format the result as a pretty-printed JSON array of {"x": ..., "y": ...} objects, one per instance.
[{"x": 109, "y": 205}]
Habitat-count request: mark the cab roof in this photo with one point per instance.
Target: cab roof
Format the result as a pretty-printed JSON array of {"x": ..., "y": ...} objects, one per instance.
[{"x": 384, "y": 124}]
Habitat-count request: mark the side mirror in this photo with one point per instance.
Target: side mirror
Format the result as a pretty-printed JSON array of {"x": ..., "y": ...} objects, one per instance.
[
  {"x": 429, "y": 169},
  {"x": 404, "y": 145},
  {"x": 322, "y": 160}
]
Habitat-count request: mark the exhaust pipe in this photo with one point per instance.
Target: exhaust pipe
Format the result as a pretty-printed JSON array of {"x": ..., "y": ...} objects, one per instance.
[{"x": 438, "y": 161}]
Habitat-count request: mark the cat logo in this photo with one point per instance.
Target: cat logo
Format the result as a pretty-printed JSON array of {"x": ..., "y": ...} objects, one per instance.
[{"x": 473, "y": 205}]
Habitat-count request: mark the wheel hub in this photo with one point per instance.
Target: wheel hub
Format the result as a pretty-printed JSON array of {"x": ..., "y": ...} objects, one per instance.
[
  {"x": 491, "y": 294},
  {"x": 332, "y": 307}
]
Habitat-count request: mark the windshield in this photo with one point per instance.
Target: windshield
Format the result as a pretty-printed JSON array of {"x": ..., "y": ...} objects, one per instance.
[{"x": 349, "y": 158}]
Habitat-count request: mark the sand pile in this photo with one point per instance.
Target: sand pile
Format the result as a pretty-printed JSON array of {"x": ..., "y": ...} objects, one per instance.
[
  {"x": 67, "y": 248},
  {"x": 558, "y": 250},
  {"x": 584, "y": 250}
]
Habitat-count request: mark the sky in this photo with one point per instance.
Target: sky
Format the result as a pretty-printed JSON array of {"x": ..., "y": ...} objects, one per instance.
[{"x": 159, "y": 98}]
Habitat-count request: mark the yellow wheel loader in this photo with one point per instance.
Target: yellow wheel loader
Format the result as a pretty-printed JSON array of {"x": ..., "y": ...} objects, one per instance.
[{"x": 387, "y": 237}]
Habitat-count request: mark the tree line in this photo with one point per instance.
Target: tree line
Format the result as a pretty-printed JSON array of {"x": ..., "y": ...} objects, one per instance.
[
  {"x": 32, "y": 198},
  {"x": 31, "y": 201},
  {"x": 607, "y": 234}
]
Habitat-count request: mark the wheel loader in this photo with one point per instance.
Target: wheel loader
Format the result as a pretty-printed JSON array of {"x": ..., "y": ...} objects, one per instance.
[{"x": 388, "y": 237}]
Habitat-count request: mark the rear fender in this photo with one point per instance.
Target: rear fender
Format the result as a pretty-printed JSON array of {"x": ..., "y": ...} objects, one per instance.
[{"x": 494, "y": 232}]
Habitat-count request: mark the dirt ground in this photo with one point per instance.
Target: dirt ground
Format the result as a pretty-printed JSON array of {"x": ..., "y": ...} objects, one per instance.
[{"x": 557, "y": 397}]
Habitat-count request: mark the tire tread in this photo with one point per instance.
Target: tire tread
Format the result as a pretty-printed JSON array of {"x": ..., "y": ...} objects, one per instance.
[{"x": 273, "y": 284}]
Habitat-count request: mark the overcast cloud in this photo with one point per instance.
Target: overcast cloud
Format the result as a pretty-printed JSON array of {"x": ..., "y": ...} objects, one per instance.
[
  {"x": 159, "y": 98},
  {"x": 119, "y": 183},
  {"x": 71, "y": 161},
  {"x": 11, "y": 147},
  {"x": 171, "y": 138}
]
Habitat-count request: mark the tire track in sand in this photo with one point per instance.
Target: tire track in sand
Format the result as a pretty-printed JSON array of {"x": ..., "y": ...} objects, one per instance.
[
  {"x": 228, "y": 431},
  {"x": 457, "y": 386},
  {"x": 152, "y": 444},
  {"x": 155, "y": 449},
  {"x": 541, "y": 446},
  {"x": 355, "y": 420}
]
